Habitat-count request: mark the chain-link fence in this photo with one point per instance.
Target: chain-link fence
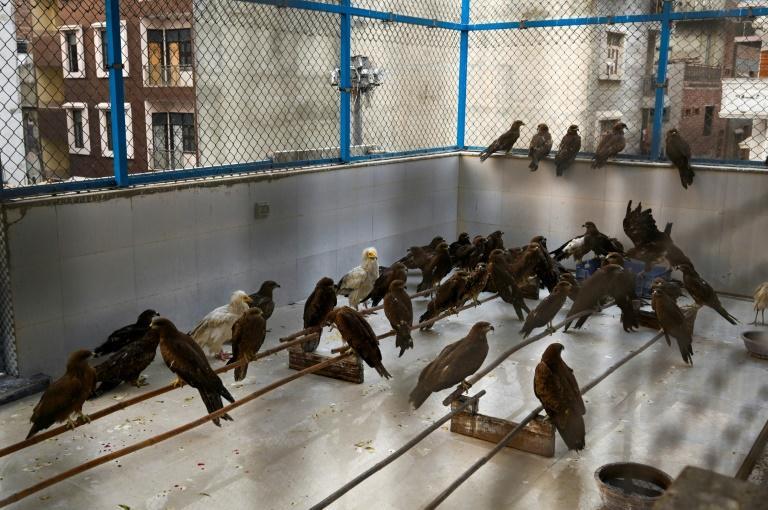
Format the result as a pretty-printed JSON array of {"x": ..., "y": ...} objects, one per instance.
[{"x": 223, "y": 86}]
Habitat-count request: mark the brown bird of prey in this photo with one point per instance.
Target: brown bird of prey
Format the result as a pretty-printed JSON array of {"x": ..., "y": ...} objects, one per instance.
[
  {"x": 416, "y": 258},
  {"x": 671, "y": 287},
  {"x": 387, "y": 275},
  {"x": 610, "y": 145},
  {"x": 263, "y": 298},
  {"x": 672, "y": 322},
  {"x": 65, "y": 395},
  {"x": 463, "y": 240},
  {"x": 615, "y": 258},
  {"x": 187, "y": 360},
  {"x": 679, "y": 153},
  {"x": 494, "y": 241},
  {"x": 608, "y": 281},
  {"x": 453, "y": 365},
  {"x": 505, "y": 142},
  {"x": 568, "y": 277},
  {"x": 569, "y": 148},
  {"x": 557, "y": 389},
  {"x": 651, "y": 245},
  {"x": 399, "y": 311},
  {"x": 541, "y": 144},
  {"x": 357, "y": 333},
  {"x": 703, "y": 293},
  {"x": 318, "y": 305},
  {"x": 448, "y": 296},
  {"x": 127, "y": 334},
  {"x": 438, "y": 267},
  {"x": 543, "y": 314},
  {"x": 248, "y": 334},
  {"x": 127, "y": 364},
  {"x": 505, "y": 284},
  {"x": 476, "y": 283},
  {"x": 761, "y": 301},
  {"x": 591, "y": 241}
]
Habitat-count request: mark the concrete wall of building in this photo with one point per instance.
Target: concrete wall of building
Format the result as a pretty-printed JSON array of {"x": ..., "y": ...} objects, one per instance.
[
  {"x": 719, "y": 221},
  {"x": 81, "y": 266}
]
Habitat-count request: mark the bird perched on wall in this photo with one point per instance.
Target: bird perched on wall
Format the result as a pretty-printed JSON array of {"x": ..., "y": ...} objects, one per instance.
[
  {"x": 126, "y": 365},
  {"x": 127, "y": 334},
  {"x": 66, "y": 395},
  {"x": 399, "y": 311},
  {"x": 387, "y": 275},
  {"x": 650, "y": 244},
  {"x": 591, "y": 241},
  {"x": 216, "y": 326},
  {"x": 462, "y": 241},
  {"x": 317, "y": 307},
  {"x": 476, "y": 283},
  {"x": 610, "y": 145},
  {"x": 248, "y": 335},
  {"x": 608, "y": 281},
  {"x": 556, "y": 388},
  {"x": 547, "y": 309},
  {"x": 453, "y": 365},
  {"x": 672, "y": 322},
  {"x": 447, "y": 296},
  {"x": 569, "y": 148},
  {"x": 761, "y": 301},
  {"x": 185, "y": 358},
  {"x": 679, "y": 153},
  {"x": 438, "y": 267},
  {"x": 263, "y": 298},
  {"x": 541, "y": 144},
  {"x": 505, "y": 284},
  {"x": 703, "y": 293},
  {"x": 357, "y": 333},
  {"x": 505, "y": 142},
  {"x": 358, "y": 283}
]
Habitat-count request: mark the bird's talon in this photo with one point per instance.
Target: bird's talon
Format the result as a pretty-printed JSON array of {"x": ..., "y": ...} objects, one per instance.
[{"x": 178, "y": 383}]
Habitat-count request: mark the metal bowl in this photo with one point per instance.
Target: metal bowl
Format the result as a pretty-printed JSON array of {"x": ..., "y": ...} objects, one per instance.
[
  {"x": 756, "y": 342},
  {"x": 630, "y": 486}
]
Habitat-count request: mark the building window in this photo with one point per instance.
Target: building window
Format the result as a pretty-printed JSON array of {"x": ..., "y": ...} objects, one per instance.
[
  {"x": 696, "y": 111},
  {"x": 72, "y": 57},
  {"x": 77, "y": 128},
  {"x": 100, "y": 46},
  {"x": 173, "y": 136},
  {"x": 169, "y": 57},
  {"x": 22, "y": 46},
  {"x": 105, "y": 130},
  {"x": 709, "y": 117},
  {"x": 614, "y": 56}
]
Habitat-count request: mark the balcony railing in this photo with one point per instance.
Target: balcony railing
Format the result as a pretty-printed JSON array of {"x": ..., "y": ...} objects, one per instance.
[
  {"x": 702, "y": 73},
  {"x": 168, "y": 76}
]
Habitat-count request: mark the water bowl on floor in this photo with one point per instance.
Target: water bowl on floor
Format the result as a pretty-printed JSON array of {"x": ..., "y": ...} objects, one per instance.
[
  {"x": 630, "y": 486},
  {"x": 756, "y": 343}
]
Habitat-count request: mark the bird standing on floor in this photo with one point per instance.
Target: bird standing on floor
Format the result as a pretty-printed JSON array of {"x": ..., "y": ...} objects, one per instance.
[
  {"x": 216, "y": 326},
  {"x": 651, "y": 245},
  {"x": 185, "y": 358},
  {"x": 547, "y": 309},
  {"x": 761, "y": 301},
  {"x": 505, "y": 284},
  {"x": 387, "y": 275},
  {"x": 541, "y": 144},
  {"x": 263, "y": 299},
  {"x": 610, "y": 145},
  {"x": 505, "y": 142},
  {"x": 358, "y": 283},
  {"x": 453, "y": 365},
  {"x": 591, "y": 241},
  {"x": 556, "y": 388},
  {"x": 127, "y": 364},
  {"x": 65, "y": 395},
  {"x": 672, "y": 322},
  {"x": 679, "y": 153},
  {"x": 359, "y": 335},
  {"x": 608, "y": 281},
  {"x": 438, "y": 268},
  {"x": 569, "y": 148},
  {"x": 248, "y": 335},
  {"x": 127, "y": 334},
  {"x": 317, "y": 307},
  {"x": 703, "y": 293},
  {"x": 399, "y": 311}
]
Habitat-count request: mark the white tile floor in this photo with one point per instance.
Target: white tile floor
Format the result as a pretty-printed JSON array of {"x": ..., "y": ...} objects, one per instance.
[{"x": 297, "y": 444}]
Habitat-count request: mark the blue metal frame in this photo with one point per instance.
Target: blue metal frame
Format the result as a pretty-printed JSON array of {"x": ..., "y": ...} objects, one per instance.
[{"x": 345, "y": 10}]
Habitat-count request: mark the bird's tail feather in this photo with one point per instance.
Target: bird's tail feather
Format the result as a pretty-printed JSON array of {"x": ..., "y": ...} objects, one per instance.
[
  {"x": 403, "y": 339},
  {"x": 727, "y": 316},
  {"x": 213, "y": 403},
  {"x": 418, "y": 396},
  {"x": 241, "y": 372},
  {"x": 382, "y": 371}
]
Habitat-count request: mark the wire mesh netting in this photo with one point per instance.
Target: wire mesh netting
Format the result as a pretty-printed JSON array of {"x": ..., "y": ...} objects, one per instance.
[
  {"x": 487, "y": 11},
  {"x": 443, "y": 10}
]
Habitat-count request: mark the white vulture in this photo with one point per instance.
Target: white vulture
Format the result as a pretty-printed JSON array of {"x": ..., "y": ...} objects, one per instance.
[
  {"x": 358, "y": 283},
  {"x": 216, "y": 327}
]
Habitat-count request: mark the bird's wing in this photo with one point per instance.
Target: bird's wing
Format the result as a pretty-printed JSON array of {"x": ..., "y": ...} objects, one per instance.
[
  {"x": 352, "y": 280},
  {"x": 548, "y": 389},
  {"x": 216, "y": 326},
  {"x": 639, "y": 225},
  {"x": 571, "y": 389},
  {"x": 190, "y": 364}
]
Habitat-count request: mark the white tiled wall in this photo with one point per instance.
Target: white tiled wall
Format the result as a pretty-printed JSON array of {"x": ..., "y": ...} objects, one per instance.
[
  {"x": 721, "y": 222},
  {"x": 81, "y": 267}
]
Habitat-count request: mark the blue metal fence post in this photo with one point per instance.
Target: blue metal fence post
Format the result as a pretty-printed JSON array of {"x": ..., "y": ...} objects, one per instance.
[
  {"x": 661, "y": 79},
  {"x": 116, "y": 92},
  {"x": 461, "y": 119},
  {"x": 345, "y": 79}
]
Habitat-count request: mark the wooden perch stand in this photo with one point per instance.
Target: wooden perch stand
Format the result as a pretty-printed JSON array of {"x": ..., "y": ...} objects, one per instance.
[{"x": 350, "y": 369}]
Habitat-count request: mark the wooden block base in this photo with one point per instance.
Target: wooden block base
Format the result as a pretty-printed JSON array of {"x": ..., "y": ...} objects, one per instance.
[
  {"x": 538, "y": 437},
  {"x": 350, "y": 370}
]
